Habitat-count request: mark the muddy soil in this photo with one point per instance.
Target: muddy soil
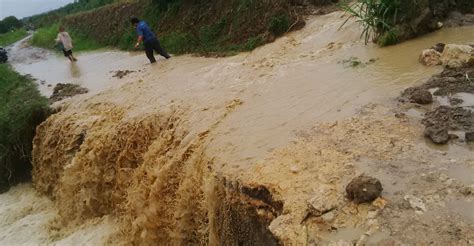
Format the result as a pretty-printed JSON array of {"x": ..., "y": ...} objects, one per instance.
[
  {"x": 257, "y": 146},
  {"x": 453, "y": 91},
  {"x": 121, "y": 73},
  {"x": 63, "y": 91}
]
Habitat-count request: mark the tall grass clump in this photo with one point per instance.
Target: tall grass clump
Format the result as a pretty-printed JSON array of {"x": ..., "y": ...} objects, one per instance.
[
  {"x": 12, "y": 36},
  {"x": 45, "y": 38},
  {"x": 22, "y": 108},
  {"x": 377, "y": 17}
]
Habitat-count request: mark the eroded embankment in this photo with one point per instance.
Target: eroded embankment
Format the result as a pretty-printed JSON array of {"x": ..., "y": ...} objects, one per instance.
[
  {"x": 200, "y": 150},
  {"x": 151, "y": 172}
]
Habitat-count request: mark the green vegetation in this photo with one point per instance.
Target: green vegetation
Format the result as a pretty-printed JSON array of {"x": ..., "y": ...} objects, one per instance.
[
  {"x": 45, "y": 37},
  {"x": 279, "y": 24},
  {"x": 52, "y": 17},
  {"x": 22, "y": 108},
  {"x": 12, "y": 36},
  {"x": 377, "y": 18},
  {"x": 9, "y": 24}
]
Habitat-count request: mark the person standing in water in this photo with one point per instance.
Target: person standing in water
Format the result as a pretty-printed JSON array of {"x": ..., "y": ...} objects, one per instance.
[
  {"x": 149, "y": 40},
  {"x": 66, "y": 42}
]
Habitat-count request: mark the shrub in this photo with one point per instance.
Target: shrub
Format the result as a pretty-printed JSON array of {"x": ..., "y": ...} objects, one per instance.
[
  {"x": 279, "y": 24},
  {"x": 178, "y": 42},
  {"x": 22, "y": 108},
  {"x": 13, "y": 36},
  {"x": 376, "y": 16}
]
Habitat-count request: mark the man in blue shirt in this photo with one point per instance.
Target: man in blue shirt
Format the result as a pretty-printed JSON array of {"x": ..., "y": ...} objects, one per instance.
[{"x": 149, "y": 39}]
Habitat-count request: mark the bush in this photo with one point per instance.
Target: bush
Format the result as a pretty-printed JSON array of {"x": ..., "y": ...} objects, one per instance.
[
  {"x": 22, "y": 108},
  {"x": 279, "y": 24},
  {"x": 376, "y": 17},
  {"x": 178, "y": 42}
]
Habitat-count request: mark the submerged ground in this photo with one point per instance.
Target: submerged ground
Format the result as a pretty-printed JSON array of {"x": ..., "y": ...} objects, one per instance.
[{"x": 217, "y": 150}]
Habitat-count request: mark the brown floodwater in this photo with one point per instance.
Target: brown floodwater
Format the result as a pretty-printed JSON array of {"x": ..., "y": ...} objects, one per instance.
[{"x": 282, "y": 88}]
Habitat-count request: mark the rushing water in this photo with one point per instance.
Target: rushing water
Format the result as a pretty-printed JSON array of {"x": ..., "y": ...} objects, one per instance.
[{"x": 286, "y": 86}]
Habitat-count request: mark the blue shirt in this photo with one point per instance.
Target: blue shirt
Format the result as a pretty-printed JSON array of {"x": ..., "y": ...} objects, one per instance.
[{"x": 144, "y": 30}]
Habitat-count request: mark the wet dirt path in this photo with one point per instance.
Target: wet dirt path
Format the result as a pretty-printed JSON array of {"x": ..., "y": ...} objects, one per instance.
[{"x": 270, "y": 100}]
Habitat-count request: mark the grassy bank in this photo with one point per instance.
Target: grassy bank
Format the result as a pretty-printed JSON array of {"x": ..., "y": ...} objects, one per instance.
[
  {"x": 186, "y": 26},
  {"x": 11, "y": 37},
  {"x": 45, "y": 38},
  {"x": 22, "y": 108}
]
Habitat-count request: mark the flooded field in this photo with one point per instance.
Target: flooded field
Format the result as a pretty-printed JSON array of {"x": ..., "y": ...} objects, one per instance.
[{"x": 288, "y": 123}]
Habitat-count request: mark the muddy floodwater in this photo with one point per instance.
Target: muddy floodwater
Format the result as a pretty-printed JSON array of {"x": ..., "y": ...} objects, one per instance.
[{"x": 299, "y": 116}]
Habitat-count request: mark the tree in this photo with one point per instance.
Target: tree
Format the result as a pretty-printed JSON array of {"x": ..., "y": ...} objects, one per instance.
[{"x": 9, "y": 23}]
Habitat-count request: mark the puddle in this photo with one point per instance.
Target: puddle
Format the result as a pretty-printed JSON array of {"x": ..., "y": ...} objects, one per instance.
[{"x": 91, "y": 71}]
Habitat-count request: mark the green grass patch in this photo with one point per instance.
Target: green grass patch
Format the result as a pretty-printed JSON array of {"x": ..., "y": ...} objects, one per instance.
[
  {"x": 377, "y": 18},
  {"x": 45, "y": 38},
  {"x": 178, "y": 42},
  {"x": 22, "y": 108},
  {"x": 279, "y": 24},
  {"x": 11, "y": 37}
]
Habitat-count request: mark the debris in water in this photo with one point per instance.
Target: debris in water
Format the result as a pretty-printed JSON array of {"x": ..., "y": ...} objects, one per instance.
[
  {"x": 418, "y": 95},
  {"x": 356, "y": 62},
  {"x": 364, "y": 189},
  {"x": 62, "y": 91},
  {"x": 121, "y": 73}
]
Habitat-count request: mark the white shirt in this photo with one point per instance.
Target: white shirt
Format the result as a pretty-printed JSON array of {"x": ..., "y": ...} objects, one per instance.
[{"x": 65, "y": 39}]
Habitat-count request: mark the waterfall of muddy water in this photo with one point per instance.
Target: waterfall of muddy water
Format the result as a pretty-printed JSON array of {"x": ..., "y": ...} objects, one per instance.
[{"x": 229, "y": 150}]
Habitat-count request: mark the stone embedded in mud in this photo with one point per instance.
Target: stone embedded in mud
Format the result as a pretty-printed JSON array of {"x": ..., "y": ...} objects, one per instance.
[
  {"x": 469, "y": 136},
  {"x": 418, "y": 95},
  {"x": 63, "y": 91},
  {"x": 437, "y": 134},
  {"x": 364, "y": 189},
  {"x": 430, "y": 57}
]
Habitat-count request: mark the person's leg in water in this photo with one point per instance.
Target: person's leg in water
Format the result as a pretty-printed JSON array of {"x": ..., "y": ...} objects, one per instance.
[
  {"x": 157, "y": 47},
  {"x": 72, "y": 57},
  {"x": 149, "y": 51}
]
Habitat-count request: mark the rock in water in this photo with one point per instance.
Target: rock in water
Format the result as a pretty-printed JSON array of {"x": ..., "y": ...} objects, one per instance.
[
  {"x": 437, "y": 134},
  {"x": 364, "y": 189},
  {"x": 455, "y": 56},
  {"x": 469, "y": 136},
  {"x": 430, "y": 57},
  {"x": 418, "y": 95},
  {"x": 439, "y": 47}
]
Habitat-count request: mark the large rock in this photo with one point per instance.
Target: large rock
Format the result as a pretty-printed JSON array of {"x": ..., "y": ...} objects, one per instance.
[
  {"x": 437, "y": 134},
  {"x": 430, "y": 57},
  {"x": 364, "y": 189},
  {"x": 418, "y": 95},
  {"x": 455, "y": 56}
]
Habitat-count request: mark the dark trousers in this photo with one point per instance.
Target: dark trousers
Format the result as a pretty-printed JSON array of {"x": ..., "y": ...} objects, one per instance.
[{"x": 154, "y": 45}]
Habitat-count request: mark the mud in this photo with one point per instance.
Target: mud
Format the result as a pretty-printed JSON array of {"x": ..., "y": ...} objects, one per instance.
[
  {"x": 63, "y": 91},
  {"x": 121, "y": 73},
  {"x": 221, "y": 151},
  {"x": 452, "y": 118}
]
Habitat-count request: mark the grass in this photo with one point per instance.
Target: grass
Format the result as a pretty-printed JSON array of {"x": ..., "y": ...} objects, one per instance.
[
  {"x": 13, "y": 36},
  {"x": 377, "y": 18},
  {"x": 22, "y": 108},
  {"x": 45, "y": 38}
]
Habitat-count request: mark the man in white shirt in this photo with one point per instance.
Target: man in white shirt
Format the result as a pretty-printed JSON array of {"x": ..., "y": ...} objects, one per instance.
[{"x": 65, "y": 40}]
